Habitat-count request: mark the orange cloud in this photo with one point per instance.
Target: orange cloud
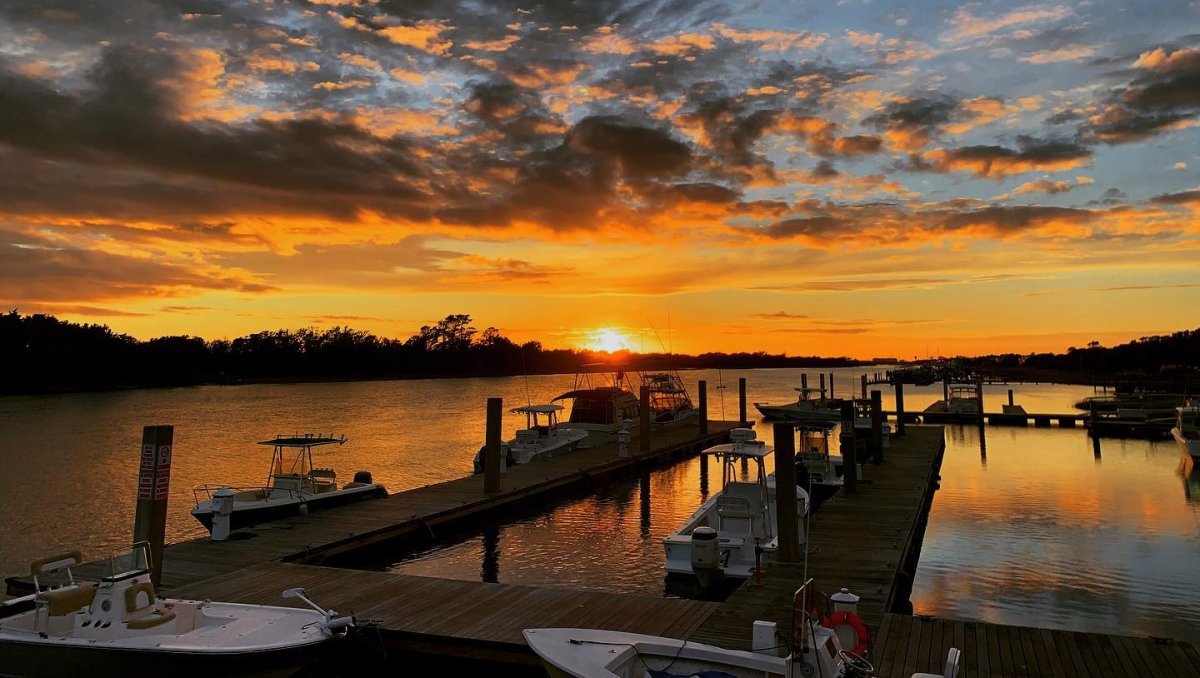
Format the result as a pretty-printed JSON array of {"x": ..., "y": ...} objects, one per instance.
[{"x": 425, "y": 36}]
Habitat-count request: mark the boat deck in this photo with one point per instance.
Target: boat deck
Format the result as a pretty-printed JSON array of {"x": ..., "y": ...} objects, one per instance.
[{"x": 907, "y": 644}]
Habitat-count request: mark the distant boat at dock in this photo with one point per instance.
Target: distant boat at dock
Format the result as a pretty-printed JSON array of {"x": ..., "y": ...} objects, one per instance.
[
  {"x": 541, "y": 437},
  {"x": 807, "y": 408},
  {"x": 293, "y": 482},
  {"x": 1187, "y": 430},
  {"x": 601, "y": 410}
]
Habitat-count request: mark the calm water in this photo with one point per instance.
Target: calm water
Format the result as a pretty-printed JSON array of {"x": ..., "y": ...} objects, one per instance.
[{"x": 1029, "y": 526}]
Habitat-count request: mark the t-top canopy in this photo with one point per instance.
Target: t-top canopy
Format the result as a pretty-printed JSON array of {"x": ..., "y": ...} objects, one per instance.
[
  {"x": 537, "y": 409},
  {"x": 751, "y": 450},
  {"x": 306, "y": 440}
]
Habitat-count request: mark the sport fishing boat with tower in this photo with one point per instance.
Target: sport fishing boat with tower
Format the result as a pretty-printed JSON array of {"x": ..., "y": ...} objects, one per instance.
[
  {"x": 294, "y": 484},
  {"x": 670, "y": 403},
  {"x": 119, "y": 626},
  {"x": 541, "y": 437},
  {"x": 720, "y": 539},
  {"x": 600, "y": 407}
]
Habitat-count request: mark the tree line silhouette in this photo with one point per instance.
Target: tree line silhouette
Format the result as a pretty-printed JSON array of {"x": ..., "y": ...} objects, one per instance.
[{"x": 44, "y": 354}]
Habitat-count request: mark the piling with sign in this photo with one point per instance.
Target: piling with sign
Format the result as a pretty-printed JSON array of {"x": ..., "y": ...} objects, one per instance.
[{"x": 154, "y": 486}]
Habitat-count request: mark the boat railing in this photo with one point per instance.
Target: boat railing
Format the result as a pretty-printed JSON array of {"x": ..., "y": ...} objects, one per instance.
[{"x": 203, "y": 492}]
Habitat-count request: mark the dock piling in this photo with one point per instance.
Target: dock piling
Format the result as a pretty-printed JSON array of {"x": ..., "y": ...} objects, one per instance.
[
  {"x": 742, "y": 401},
  {"x": 899, "y": 408},
  {"x": 702, "y": 391},
  {"x": 877, "y": 427},
  {"x": 491, "y": 453},
  {"x": 787, "y": 522},
  {"x": 831, "y": 385},
  {"x": 822, "y": 375},
  {"x": 644, "y": 419},
  {"x": 849, "y": 455},
  {"x": 154, "y": 484},
  {"x": 1010, "y": 398},
  {"x": 864, "y": 385}
]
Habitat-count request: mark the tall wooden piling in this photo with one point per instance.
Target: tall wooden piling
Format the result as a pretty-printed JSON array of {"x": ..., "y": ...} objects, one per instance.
[
  {"x": 877, "y": 427},
  {"x": 979, "y": 396},
  {"x": 822, "y": 375},
  {"x": 849, "y": 455},
  {"x": 804, "y": 383},
  {"x": 644, "y": 420},
  {"x": 492, "y": 449},
  {"x": 742, "y": 400},
  {"x": 787, "y": 522},
  {"x": 154, "y": 485},
  {"x": 702, "y": 390},
  {"x": 946, "y": 390},
  {"x": 1010, "y": 397},
  {"x": 899, "y": 408},
  {"x": 831, "y": 385},
  {"x": 864, "y": 385}
]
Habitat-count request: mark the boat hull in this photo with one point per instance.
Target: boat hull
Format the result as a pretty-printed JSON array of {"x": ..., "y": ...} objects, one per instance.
[
  {"x": 792, "y": 412},
  {"x": 250, "y": 516},
  {"x": 1188, "y": 448},
  {"x": 24, "y": 658}
]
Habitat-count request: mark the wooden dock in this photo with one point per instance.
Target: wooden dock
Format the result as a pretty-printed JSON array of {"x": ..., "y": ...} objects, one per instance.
[
  {"x": 415, "y": 516},
  {"x": 1039, "y": 419},
  {"x": 908, "y": 644},
  {"x": 447, "y": 617},
  {"x": 868, "y": 542}
]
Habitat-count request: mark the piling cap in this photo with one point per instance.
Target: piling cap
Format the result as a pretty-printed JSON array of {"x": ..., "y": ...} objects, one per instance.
[{"x": 844, "y": 596}]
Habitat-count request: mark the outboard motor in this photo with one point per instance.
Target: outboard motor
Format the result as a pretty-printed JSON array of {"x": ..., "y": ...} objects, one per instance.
[
  {"x": 706, "y": 556},
  {"x": 363, "y": 477}
]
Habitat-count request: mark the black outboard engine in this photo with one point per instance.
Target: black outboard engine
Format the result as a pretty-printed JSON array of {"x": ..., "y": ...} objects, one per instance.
[{"x": 363, "y": 477}]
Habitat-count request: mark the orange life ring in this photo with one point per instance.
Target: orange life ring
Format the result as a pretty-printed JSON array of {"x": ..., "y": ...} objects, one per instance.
[{"x": 860, "y": 629}]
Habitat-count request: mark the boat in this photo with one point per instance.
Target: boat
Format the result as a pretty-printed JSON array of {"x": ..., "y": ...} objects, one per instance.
[
  {"x": 961, "y": 404},
  {"x": 538, "y": 439},
  {"x": 862, "y": 423},
  {"x": 1131, "y": 422},
  {"x": 1187, "y": 430},
  {"x": 601, "y": 410},
  {"x": 669, "y": 400},
  {"x": 818, "y": 471},
  {"x": 119, "y": 626},
  {"x": 294, "y": 484},
  {"x": 806, "y": 407},
  {"x": 596, "y": 653},
  {"x": 721, "y": 538}
]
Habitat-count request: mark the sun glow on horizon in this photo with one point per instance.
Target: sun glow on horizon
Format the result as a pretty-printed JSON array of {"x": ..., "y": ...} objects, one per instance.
[{"x": 608, "y": 340}]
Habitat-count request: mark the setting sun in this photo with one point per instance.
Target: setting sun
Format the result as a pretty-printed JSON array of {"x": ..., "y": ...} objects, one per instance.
[{"x": 608, "y": 340}]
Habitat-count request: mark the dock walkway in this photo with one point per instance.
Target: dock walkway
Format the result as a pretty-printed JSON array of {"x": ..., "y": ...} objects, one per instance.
[
  {"x": 417, "y": 514},
  {"x": 868, "y": 542},
  {"x": 907, "y": 644}
]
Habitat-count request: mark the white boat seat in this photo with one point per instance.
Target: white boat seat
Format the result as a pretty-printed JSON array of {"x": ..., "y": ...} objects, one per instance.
[
  {"x": 155, "y": 618},
  {"x": 953, "y": 660},
  {"x": 67, "y": 599}
]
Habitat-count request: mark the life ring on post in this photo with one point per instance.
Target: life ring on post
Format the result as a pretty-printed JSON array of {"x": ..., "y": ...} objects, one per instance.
[{"x": 860, "y": 629}]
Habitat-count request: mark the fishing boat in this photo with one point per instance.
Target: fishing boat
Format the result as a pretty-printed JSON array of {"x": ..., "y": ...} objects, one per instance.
[
  {"x": 862, "y": 423},
  {"x": 728, "y": 533},
  {"x": 541, "y": 437},
  {"x": 806, "y": 408},
  {"x": 820, "y": 472},
  {"x": 118, "y": 626},
  {"x": 669, "y": 400},
  {"x": 596, "y": 653},
  {"x": 294, "y": 484},
  {"x": 960, "y": 404},
  {"x": 1187, "y": 430},
  {"x": 600, "y": 409}
]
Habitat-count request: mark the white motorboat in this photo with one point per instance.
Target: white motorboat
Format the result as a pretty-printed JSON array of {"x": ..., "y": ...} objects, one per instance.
[
  {"x": 538, "y": 439},
  {"x": 119, "y": 626},
  {"x": 601, "y": 411},
  {"x": 806, "y": 408},
  {"x": 595, "y": 653},
  {"x": 722, "y": 536},
  {"x": 1187, "y": 430},
  {"x": 818, "y": 470},
  {"x": 669, "y": 400},
  {"x": 961, "y": 404},
  {"x": 862, "y": 423},
  {"x": 293, "y": 482}
]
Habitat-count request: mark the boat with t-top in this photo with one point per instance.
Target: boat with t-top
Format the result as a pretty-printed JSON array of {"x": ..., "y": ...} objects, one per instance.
[
  {"x": 811, "y": 406},
  {"x": 601, "y": 406},
  {"x": 541, "y": 437},
  {"x": 120, "y": 626},
  {"x": 294, "y": 484},
  {"x": 1187, "y": 429},
  {"x": 670, "y": 403}
]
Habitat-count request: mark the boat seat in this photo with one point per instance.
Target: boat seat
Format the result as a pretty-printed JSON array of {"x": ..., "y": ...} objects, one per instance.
[
  {"x": 67, "y": 599},
  {"x": 132, "y": 609},
  {"x": 155, "y": 618},
  {"x": 322, "y": 473}
]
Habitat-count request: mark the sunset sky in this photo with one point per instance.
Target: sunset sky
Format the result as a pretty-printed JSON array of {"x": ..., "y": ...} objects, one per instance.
[{"x": 857, "y": 178}]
